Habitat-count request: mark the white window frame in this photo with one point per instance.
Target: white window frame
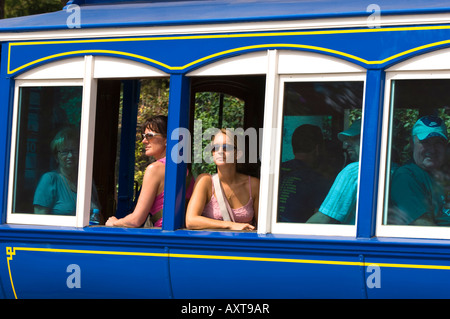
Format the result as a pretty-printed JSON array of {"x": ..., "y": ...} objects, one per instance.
[
  {"x": 435, "y": 65},
  {"x": 84, "y": 72},
  {"x": 30, "y": 218},
  {"x": 304, "y": 228},
  {"x": 292, "y": 66}
]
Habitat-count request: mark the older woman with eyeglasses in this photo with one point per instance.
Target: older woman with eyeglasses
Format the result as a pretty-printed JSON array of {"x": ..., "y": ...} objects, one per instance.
[
  {"x": 241, "y": 192},
  {"x": 56, "y": 192},
  {"x": 148, "y": 210}
]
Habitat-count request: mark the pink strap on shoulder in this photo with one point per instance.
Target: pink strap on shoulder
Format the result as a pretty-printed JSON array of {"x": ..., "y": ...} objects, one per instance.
[{"x": 162, "y": 160}]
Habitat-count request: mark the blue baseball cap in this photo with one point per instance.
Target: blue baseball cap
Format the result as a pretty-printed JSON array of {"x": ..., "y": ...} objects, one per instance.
[
  {"x": 429, "y": 126},
  {"x": 353, "y": 130}
]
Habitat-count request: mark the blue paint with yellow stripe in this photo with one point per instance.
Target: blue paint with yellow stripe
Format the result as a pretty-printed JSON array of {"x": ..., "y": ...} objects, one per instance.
[
  {"x": 175, "y": 263},
  {"x": 359, "y": 46},
  {"x": 183, "y": 264}
]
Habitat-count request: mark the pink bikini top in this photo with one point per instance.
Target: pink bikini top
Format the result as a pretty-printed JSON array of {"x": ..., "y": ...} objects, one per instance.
[
  {"x": 242, "y": 214},
  {"x": 159, "y": 199}
]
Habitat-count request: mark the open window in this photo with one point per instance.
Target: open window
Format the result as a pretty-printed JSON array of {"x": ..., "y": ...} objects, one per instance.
[{"x": 233, "y": 102}]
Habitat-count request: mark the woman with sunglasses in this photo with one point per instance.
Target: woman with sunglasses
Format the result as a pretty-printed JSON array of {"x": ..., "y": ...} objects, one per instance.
[
  {"x": 239, "y": 190},
  {"x": 149, "y": 206}
]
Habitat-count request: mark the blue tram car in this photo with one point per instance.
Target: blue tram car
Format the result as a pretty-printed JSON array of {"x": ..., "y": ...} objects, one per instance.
[{"x": 325, "y": 63}]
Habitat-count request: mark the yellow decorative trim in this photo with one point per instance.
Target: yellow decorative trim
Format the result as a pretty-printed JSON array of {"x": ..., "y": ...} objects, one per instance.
[
  {"x": 311, "y": 261},
  {"x": 11, "y": 251},
  {"x": 222, "y": 36},
  {"x": 240, "y": 35},
  {"x": 87, "y": 52}
]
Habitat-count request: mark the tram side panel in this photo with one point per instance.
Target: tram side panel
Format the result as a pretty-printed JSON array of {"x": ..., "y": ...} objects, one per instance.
[
  {"x": 410, "y": 278},
  {"x": 43, "y": 271},
  {"x": 243, "y": 274}
]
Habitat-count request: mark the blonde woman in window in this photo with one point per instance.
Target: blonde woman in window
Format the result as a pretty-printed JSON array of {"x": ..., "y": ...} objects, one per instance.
[{"x": 241, "y": 192}]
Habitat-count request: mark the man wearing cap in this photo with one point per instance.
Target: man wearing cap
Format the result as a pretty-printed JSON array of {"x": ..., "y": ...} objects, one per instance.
[
  {"x": 416, "y": 195},
  {"x": 340, "y": 204}
]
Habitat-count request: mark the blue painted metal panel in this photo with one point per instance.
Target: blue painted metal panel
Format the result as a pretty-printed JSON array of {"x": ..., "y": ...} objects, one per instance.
[
  {"x": 357, "y": 46},
  {"x": 368, "y": 179},
  {"x": 70, "y": 272},
  {"x": 245, "y": 274},
  {"x": 195, "y": 12},
  {"x": 188, "y": 264},
  {"x": 178, "y": 119},
  {"x": 409, "y": 277},
  {"x": 6, "y": 89},
  {"x": 308, "y": 267}
]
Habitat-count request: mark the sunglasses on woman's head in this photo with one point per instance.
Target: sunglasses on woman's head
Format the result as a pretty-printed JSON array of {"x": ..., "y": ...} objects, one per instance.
[{"x": 148, "y": 136}]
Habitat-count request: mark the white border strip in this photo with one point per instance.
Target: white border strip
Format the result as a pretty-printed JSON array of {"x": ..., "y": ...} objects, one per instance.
[{"x": 265, "y": 26}]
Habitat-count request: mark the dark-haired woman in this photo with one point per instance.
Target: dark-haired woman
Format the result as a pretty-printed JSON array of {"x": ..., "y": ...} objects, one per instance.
[{"x": 151, "y": 198}]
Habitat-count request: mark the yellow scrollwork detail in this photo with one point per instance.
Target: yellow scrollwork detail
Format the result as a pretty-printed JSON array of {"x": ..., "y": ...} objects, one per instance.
[{"x": 11, "y": 252}]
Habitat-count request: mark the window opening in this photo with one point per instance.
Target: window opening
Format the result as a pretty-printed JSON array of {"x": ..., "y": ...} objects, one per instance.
[
  {"x": 122, "y": 109},
  {"x": 234, "y": 103}
]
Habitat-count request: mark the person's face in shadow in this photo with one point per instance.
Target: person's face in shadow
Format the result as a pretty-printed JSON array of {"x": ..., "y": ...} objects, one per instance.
[
  {"x": 68, "y": 156},
  {"x": 351, "y": 147},
  {"x": 429, "y": 154}
]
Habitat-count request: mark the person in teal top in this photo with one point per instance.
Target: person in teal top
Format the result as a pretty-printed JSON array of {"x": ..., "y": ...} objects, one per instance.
[
  {"x": 56, "y": 192},
  {"x": 339, "y": 205},
  {"x": 417, "y": 194}
]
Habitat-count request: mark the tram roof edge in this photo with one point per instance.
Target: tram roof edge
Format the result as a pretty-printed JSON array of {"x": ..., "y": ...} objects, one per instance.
[{"x": 110, "y": 13}]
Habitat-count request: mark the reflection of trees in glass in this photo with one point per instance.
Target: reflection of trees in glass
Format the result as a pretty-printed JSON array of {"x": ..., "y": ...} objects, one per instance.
[
  {"x": 404, "y": 120},
  {"x": 341, "y": 95},
  {"x": 413, "y": 99},
  {"x": 305, "y": 98},
  {"x": 70, "y": 98}
]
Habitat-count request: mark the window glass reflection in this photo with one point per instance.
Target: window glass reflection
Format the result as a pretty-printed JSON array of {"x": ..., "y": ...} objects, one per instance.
[
  {"x": 419, "y": 190},
  {"x": 320, "y": 152},
  {"x": 47, "y": 148}
]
